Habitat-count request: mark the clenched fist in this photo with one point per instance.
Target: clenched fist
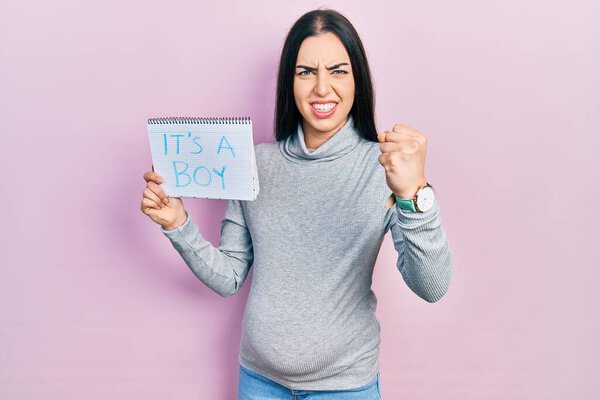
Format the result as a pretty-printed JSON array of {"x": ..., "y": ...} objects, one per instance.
[
  {"x": 403, "y": 158},
  {"x": 166, "y": 211}
]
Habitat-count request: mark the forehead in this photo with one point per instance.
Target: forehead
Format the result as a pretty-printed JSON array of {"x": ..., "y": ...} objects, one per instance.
[{"x": 323, "y": 49}]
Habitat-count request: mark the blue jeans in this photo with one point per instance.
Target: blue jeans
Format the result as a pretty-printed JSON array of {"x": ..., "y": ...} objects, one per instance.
[{"x": 253, "y": 386}]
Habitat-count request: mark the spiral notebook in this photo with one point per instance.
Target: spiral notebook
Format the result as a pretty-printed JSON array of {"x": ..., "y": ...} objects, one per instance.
[{"x": 204, "y": 157}]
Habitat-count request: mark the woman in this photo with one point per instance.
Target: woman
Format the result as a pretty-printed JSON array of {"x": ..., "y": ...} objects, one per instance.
[{"x": 330, "y": 190}]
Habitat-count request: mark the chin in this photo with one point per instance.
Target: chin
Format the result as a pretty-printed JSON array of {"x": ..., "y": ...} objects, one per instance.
[{"x": 325, "y": 124}]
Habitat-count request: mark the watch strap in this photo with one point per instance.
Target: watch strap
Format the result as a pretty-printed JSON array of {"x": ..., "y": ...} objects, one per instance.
[{"x": 406, "y": 204}]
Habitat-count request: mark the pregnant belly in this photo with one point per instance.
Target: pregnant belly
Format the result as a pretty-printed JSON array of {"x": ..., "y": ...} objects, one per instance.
[{"x": 295, "y": 347}]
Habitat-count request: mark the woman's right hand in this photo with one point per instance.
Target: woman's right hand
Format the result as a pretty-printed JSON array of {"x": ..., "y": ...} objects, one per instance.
[{"x": 168, "y": 212}]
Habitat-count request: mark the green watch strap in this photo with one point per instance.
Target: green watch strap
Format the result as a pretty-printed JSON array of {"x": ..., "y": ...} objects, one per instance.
[{"x": 406, "y": 204}]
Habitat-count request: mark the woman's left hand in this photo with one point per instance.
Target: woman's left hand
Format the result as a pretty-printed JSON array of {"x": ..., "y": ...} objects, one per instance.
[{"x": 403, "y": 158}]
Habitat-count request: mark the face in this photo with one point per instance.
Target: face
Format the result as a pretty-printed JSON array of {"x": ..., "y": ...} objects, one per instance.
[{"x": 323, "y": 79}]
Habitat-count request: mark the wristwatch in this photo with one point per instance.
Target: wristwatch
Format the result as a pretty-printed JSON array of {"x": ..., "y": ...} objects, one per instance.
[{"x": 421, "y": 202}]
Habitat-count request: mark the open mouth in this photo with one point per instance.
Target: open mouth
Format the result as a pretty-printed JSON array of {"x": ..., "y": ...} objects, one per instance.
[{"x": 323, "y": 110}]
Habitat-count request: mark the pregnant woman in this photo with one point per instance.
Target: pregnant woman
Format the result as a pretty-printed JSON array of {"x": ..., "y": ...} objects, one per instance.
[{"x": 331, "y": 187}]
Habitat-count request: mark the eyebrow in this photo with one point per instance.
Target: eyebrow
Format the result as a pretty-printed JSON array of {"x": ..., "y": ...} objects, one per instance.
[{"x": 328, "y": 68}]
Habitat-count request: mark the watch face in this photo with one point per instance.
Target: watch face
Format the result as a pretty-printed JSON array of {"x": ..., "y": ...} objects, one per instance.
[{"x": 425, "y": 199}]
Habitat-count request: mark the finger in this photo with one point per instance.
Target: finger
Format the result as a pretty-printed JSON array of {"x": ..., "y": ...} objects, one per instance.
[
  {"x": 409, "y": 139},
  {"x": 151, "y": 212},
  {"x": 387, "y": 147},
  {"x": 403, "y": 128},
  {"x": 148, "y": 203},
  {"x": 406, "y": 146},
  {"x": 386, "y": 161},
  {"x": 153, "y": 176},
  {"x": 150, "y": 195},
  {"x": 409, "y": 146},
  {"x": 397, "y": 137},
  {"x": 158, "y": 191}
]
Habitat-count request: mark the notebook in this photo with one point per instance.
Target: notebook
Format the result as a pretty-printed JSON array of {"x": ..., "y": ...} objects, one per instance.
[{"x": 204, "y": 157}]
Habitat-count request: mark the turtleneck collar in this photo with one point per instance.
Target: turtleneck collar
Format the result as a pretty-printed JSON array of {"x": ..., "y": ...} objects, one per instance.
[{"x": 342, "y": 142}]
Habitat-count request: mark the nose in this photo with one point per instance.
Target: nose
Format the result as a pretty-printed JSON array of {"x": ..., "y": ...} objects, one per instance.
[{"x": 322, "y": 86}]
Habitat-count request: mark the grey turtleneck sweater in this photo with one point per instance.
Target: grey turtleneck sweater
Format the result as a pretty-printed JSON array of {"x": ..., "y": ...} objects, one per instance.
[{"x": 313, "y": 235}]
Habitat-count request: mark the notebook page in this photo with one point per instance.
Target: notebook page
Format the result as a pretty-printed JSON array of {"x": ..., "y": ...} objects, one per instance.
[{"x": 204, "y": 158}]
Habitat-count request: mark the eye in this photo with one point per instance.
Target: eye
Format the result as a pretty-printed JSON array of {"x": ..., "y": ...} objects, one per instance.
[{"x": 341, "y": 72}]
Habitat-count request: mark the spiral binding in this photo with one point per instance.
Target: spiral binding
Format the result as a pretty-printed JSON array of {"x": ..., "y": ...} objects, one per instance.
[{"x": 199, "y": 120}]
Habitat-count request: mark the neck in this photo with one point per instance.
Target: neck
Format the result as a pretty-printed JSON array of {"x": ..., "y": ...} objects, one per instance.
[
  {"x": 333, "y": 145},
  {"x": 314, "y": 138}
]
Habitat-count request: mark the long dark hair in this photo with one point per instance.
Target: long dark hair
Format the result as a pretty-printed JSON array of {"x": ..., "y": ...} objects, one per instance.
[{"x": 315, "y": 23}]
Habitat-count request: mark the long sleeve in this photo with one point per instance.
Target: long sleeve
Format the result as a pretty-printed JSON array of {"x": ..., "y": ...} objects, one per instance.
[
  {"x": 223, "y": 269},
  {"x": 424, "y": 255}
]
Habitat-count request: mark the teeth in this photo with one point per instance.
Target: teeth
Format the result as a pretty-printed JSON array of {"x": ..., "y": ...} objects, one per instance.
[{"x": 324, "y": 107}]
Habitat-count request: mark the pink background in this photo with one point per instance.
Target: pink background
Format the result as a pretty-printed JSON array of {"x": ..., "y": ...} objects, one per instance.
[{"x": 96, "y": 304}]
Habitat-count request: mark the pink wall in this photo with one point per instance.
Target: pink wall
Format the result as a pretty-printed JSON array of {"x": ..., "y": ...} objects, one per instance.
[{"x": 96, "y": 304}]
